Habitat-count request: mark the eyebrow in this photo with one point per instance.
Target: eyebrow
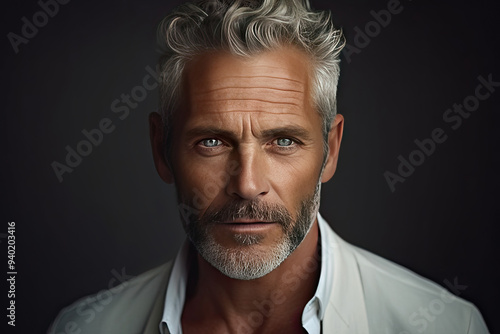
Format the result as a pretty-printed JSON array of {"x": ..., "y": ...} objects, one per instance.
[
  {"x": 284, "y": 131},
  {"x": 207, "y": 131}
]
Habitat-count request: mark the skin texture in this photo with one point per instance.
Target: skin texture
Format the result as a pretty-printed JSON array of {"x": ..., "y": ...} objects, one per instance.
[{"x": 248, "y": 127}]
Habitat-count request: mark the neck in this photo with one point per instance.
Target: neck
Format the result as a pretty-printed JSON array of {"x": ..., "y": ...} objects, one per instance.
[{"x": 214, "y": 300}]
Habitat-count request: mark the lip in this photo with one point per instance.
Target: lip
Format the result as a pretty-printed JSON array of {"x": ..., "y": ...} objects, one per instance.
[
  {"x": 248, "y": 226},
  {"x": 247, "y": 221}
]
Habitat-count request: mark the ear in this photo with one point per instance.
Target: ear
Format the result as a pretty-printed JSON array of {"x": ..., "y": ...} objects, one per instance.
[
  {"x": 334, "y": 139},
  {"x": 157, "y": 144}
]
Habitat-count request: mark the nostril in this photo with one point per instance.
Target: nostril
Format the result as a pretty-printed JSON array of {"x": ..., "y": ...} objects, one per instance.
[{"x": 247, "y": 185}]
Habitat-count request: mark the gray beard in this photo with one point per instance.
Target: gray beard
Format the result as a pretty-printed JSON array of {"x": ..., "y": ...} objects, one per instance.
[{"x": 242, "y": 262}]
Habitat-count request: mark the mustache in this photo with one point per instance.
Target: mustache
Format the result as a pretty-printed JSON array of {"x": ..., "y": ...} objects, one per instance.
[{"x": 252, "y": 209}]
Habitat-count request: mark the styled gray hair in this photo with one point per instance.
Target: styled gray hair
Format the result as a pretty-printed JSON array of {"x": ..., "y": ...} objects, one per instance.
[{"x": 245, "y": 28}]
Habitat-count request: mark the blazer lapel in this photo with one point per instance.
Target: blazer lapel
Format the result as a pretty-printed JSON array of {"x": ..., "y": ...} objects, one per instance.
[{"x": 346, "y": 310}]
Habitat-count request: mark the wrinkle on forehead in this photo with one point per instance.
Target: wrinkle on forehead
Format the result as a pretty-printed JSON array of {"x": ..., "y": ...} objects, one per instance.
[
  {"x": 258, "y": 90},
  {"x": 247, "y": 94},
  {"x": 242, "y": 81},
  {"x": 241, "y": 87},
  {"x": 249, "y": 105},
  {"x": 256, "y": 112},
  {"x": 286, "y": 68}
]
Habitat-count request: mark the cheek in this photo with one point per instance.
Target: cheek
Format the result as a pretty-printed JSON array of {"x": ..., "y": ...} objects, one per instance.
[
  {"x": 296, "y": 180},
  {"x": 200, "y": 181}
]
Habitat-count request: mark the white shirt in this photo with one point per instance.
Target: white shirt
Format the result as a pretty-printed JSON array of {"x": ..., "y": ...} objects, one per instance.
[
  {"x": 367, "y": 295},
  {"x": 312, "y": 314}
]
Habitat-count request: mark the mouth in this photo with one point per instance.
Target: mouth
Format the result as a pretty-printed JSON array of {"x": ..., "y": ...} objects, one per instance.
[
  {"x": 248, "y": 225},
  {"x": 247, "y": 221}
]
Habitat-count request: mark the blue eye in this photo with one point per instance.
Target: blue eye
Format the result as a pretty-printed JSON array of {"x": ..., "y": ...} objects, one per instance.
[
  {"x": 211, "y": 142},
  {"x": 284, "y": 142}
]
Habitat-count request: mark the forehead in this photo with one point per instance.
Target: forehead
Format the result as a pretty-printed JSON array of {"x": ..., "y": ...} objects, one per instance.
[
  {"x": 281, "y": 78},
  {"x": 286, "y": 67}
]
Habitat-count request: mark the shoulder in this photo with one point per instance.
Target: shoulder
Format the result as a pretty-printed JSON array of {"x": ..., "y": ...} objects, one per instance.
[
  {"x": 412, "y": 302},
  {"x": 122, "y": 308},
  {"x": 397, "y": 300}
]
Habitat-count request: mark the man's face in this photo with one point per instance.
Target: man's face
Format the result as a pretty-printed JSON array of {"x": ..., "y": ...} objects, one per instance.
[{"x": 247, "y": 157}]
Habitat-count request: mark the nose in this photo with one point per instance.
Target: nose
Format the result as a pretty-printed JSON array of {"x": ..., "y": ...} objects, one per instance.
[{"x": 251, "y": 179}]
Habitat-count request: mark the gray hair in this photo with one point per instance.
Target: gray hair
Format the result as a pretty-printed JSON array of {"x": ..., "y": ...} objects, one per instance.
[{"x": 244, "y": 28}]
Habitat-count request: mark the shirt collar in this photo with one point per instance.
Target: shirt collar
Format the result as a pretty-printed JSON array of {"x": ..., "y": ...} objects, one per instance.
[
  {"x": 324, "y": 289},
  {"x": 176, "y": 293},
  {"x": 314, "y": 311},
  {"x": 311, "y": 316}
]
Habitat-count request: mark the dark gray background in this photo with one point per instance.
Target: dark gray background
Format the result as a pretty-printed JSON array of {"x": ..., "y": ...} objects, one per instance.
[{"x": 113, "y": 211}]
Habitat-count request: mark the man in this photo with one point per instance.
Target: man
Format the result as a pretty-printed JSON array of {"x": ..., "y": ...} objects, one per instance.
[{"x": 248, "y": 132}]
